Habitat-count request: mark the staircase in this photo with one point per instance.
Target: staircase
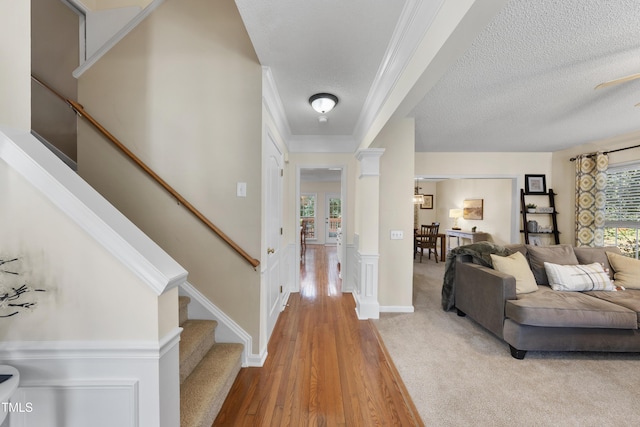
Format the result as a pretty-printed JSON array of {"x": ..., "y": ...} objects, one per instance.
[{"x": 207, "y": 369}]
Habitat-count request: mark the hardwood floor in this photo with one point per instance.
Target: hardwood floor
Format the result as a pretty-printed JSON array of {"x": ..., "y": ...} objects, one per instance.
[{"x": 325, "y": 367}]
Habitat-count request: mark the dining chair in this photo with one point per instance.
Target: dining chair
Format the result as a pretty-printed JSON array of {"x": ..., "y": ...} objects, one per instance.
[{"x": 428, "y": 239}]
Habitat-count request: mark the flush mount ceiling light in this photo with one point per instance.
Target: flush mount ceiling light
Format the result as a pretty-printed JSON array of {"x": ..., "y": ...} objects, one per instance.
[{"x": 323, "y": 102}]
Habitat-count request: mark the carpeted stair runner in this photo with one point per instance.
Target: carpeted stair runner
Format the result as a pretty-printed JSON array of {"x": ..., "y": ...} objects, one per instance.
[{"x": 207, "y": 369}]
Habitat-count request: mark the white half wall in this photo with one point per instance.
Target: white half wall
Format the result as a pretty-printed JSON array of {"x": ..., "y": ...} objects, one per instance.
[{"x": 101, "y": 384}]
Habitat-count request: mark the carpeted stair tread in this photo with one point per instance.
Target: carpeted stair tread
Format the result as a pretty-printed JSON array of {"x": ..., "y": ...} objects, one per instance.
[
  {"x": 183, "y": 312},
  {"x": 197, "y": 338},
  {"x": 204, "y": 391}
]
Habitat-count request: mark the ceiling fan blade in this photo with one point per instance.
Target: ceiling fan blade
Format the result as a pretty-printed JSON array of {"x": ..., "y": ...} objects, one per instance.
[{"x": 620, "y": 80}]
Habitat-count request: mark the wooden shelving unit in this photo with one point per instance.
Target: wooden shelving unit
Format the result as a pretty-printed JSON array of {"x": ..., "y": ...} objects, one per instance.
[{"x": 530, "y": 198}]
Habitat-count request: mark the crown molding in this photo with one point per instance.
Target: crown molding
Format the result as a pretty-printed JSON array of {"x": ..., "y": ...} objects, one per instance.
[
  {"x": 273, "y": 104},
  {"x": 408, "y": 34}
]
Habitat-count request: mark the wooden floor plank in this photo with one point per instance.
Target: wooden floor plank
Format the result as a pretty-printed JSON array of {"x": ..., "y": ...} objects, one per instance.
[{"x": 325, "y": 367}]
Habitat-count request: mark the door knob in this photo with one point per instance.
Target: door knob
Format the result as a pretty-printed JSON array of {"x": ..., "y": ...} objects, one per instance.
[{"x": 270, "y": 251}]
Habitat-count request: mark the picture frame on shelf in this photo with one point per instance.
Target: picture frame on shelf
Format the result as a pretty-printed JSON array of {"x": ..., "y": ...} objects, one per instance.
[
  {"x": 535, "y": 184},
  {"x": 427, "y": 201}
]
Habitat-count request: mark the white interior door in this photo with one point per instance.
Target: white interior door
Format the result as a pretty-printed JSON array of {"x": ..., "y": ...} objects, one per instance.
[
  {"x": 274, "y": 224},
  {"x": 333, "y": 217}
]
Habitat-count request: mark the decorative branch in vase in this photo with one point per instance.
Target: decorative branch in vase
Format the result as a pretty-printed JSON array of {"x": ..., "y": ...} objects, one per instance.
[{"x": 10, "y": 295}]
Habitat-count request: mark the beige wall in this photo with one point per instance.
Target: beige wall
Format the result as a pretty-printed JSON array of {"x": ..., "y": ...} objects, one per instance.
[
  {"x": 427, "y": 216},
  {"x": 89, "y": 295},
  {"x": 465, "y": 165},
  {"x": 183, "y": 91},
  {"x": 112, "y": 4},
  {"x": 498, "y": 206},
  {"x": 487, "y": 165},
  {"x": 15, "y": 68},
  {"x": 395, "y": 277},
  {"x": 55, "y": 40},
  {"x": 564, "y": 171}
]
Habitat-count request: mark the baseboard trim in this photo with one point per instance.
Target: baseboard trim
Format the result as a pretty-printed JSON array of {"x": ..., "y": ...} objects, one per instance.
[
  {"x": 396, "y": 309},
  {"x": 228, "y": 330}
]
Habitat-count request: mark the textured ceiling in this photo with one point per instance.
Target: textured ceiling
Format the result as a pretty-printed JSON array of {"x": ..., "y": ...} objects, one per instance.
[{"x": 527, "y": 82}]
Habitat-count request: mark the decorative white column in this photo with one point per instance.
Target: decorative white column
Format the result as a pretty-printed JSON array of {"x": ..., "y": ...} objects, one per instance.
[{"x": 368, "y": 219}]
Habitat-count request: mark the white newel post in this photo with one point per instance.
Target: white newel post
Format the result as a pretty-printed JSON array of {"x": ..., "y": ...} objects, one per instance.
[{"x": 368, "y": 213}]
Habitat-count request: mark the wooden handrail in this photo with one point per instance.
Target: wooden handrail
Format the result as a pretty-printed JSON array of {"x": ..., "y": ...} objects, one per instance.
[{"x": 79, "y": 109}]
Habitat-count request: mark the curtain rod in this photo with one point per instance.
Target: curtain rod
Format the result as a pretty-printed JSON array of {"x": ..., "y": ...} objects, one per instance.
[{"x": 573, "y": 159}]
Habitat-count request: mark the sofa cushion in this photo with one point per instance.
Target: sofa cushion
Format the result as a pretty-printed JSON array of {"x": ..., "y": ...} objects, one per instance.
[
  {"x": 588, "y": 255},
  {"x": 516, "y": 265},
  {"x": 547, "y": 307},
  {"x": 558, "y": 254},
  {"x": 517, "y": 247},
  {"x": 629, "y": 299},
  {"x": 626, "y": 270},
  {"x": 586, "y": 277}
]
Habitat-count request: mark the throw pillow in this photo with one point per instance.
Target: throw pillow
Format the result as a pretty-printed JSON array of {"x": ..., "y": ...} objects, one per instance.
[
  {"x": 589, "y": 255},
  {"x": 590, "y": 277},
  {"x": 626, "y": 270},
  {"x": 516, "y": 265},
  {"x": 558, "y": 254}
]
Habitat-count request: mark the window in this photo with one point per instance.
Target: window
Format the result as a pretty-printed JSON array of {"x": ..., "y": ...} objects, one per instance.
[
  {"x": 308, "y": 215},
  {"x": 622, "y": 209}
]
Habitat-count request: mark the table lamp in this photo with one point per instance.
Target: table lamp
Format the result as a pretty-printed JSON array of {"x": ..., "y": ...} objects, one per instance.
[{"x": 455, "y": 214}]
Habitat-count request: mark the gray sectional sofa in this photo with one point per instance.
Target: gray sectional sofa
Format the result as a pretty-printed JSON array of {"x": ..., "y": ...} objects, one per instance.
[{"x": 546, "y": 319}]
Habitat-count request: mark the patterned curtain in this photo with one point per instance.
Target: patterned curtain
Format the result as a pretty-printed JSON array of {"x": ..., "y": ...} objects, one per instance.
[{"x": 591, "y": 179}]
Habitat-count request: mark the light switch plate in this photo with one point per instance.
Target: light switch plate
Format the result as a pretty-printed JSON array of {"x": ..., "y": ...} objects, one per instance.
[
  {"x": 241, "y": 189},
  {"x": 397, "y": 235}
]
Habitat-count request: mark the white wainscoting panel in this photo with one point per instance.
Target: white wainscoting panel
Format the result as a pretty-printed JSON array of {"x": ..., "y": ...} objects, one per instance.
[
  {"x": 349, "y": 269},
  {"x": 367, "y": 306},
  {"x": 96, "y": 403},
  {"x": 79, "y": 384}
]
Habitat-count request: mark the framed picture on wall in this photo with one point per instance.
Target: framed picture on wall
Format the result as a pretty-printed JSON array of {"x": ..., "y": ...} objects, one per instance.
[
  {"x": 535, "y": 184},
  {"x": 473, "y": 208},
  {"x": 428, "y": 201}
]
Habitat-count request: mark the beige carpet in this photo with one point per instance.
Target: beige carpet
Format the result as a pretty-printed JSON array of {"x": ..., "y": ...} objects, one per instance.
[{"x": 459, "y": 374}]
